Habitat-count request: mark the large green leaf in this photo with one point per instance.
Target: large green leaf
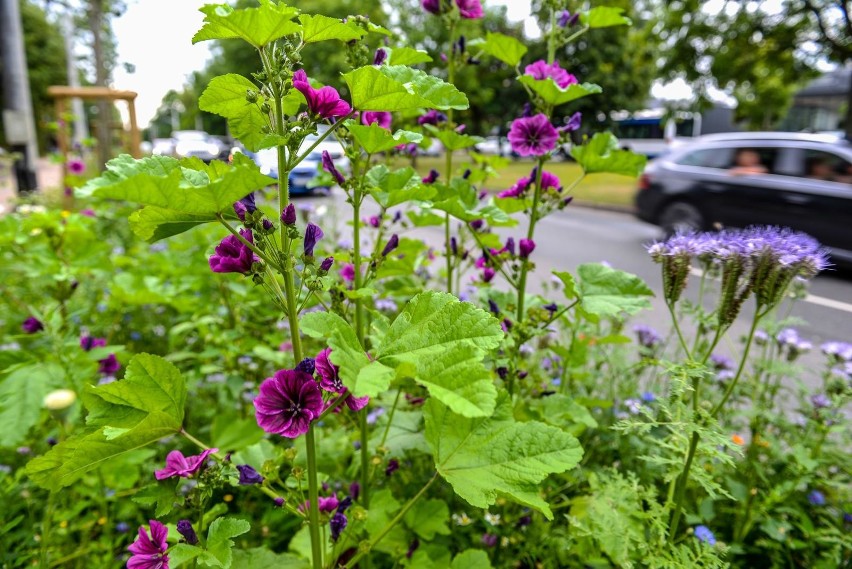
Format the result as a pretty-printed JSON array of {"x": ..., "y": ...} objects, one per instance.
[
  {"x": 322, "y": 28},
  {"x": 483, "y": 458},
  {"x": 391, "y": 188},
  {"x": 602, "y": 154},
  {"x": 262, "y": 558},
  {"x": 225, "y": 96},
  {"x": 258, "y": 26},
  {"x": 471, "y": 559},
  {"x": 505, "y": 48},
  {"x": 153, "y": 223},
  {"x": 553, "y": 94},
  {"x": 187, "y": 186},
  {"x": 607, "y": 292},
  {"x": 22, "y": 392},
  {"x": 438, "y": 93},
  {"x": 400, "y": 88},
  {"x": 219, "y": 543},
  {"x": 406, "y": 56},
  {"x": 374, "y": 138},
  {"x": 605, "y": 17},
  {"x": 453, "y": 140},
  {"x": 457, "y": 377},
  {"x": 144, "y": 407},
  {"x": 428, "y": 518}
]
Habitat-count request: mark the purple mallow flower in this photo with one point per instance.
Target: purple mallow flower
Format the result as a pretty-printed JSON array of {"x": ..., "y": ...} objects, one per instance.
[
  {"x": 470, "y": 9},
  {"x": 567, "y": 19},
  {"x": 328, "y": 166},
  {"x": 432, "y": 117},
  {"x": 288, "y": 216},
  {"x": 287, "y": 403},
  {"x": 704, "y": 535},
  {"x": 184, "y": 528},
  {"x": 431, "y": 6},
  {"x": 233, "y": 256},
  {"x": 150, "y": 553},
  {"x": 184, "y": 466},
  {"x": 526, "y": 247},
  {"x": 325, "y": 102},
  {"x": 542, "y": 70},
  {"x": 380, "y": 118},
  {"x": 312, "y": 234},
  {"x": 32, "y": 325},
  {"x": 330, "y": 380},
  {"x": 109, "y": 365},
  {"x": 533, "y": 136},
  {"x": 573, "y": 123},
  {"x": 88, "y": 343},
  {"x": 75, "y": 166},
  {"x": 431, "y": 177},
  {"x": 325, "y": 505},
  {"x": 249, "y": 475},
  {"x": 337, "y": 525},
  {"x": 347, "y": 273}
]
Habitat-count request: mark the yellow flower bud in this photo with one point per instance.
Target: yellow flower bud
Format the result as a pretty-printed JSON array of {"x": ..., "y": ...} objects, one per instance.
[{"x": 59, "y": 399}]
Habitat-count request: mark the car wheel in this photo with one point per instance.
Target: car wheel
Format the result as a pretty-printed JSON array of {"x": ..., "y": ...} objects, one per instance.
[{"x": 681, "y": 216}]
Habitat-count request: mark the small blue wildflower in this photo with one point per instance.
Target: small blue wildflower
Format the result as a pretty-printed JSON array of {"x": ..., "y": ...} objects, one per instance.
[
  {"x": 816, "y": 498},
  {"x": 704, "y": 535},
  {"x": 648, "y": 397}
]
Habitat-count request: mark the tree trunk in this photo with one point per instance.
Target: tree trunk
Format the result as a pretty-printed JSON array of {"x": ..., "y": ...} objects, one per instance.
[{"x": 104, "y": 134}]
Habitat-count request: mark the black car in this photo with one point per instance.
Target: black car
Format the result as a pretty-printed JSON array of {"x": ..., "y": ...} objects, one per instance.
[{"x": 802, "y": 181}]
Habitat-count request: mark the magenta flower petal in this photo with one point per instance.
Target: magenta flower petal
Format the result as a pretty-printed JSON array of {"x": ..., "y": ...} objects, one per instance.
[
  {"x": 325, "y": 102},
  {"x": 541, "y": 70},
  {"x": 287, "y": 403},
  {"x": 470, "y": 9},
  {"x": 184, "y": 466},
  {"x": 381, "y": 118},
  {"x": 150, "y": 553},
  {"x": 232, "y": 256},
  {"x": 533, "y": 136}
]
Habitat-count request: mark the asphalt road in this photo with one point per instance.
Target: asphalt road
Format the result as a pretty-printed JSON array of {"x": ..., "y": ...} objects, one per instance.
[{"x": 579, "y": 235}]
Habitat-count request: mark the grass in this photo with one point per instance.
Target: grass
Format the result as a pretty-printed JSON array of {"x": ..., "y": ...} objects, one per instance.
[{"x": 604, "y": 189}]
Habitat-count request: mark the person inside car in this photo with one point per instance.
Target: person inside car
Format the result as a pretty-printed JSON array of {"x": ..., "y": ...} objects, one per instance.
[
  {"x": 746, "y": 163},
  {"x": 820, "y": 169}
]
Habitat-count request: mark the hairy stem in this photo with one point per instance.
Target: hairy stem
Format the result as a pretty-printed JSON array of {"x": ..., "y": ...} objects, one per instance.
[
  {"x": 448, "y": 160},
  {"x": 522, "y": 281}
]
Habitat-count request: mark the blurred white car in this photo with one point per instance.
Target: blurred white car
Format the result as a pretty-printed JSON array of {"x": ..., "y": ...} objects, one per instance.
[
  {"x": 195, "y": 143},
  {"x": 163, "y": 147}
]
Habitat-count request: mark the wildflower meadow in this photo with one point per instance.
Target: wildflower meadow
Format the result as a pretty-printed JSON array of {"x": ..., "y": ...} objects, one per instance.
[{"x": 196, "y": 372}]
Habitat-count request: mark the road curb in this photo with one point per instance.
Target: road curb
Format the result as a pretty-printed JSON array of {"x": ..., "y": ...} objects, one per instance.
[{"x": 627, "y": 209}]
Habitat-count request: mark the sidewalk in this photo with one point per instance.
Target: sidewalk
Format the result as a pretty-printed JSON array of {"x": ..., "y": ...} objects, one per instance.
[{"x": 48, "y": 175}]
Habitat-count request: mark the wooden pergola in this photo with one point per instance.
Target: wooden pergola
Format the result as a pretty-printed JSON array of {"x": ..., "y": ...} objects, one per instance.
[{"x": 62, "y": 93}]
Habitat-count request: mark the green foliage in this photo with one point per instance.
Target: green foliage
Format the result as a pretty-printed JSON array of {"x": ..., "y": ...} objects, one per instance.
[
  {"x": 483, "y": 458},
  {"x": 256, "y": 26},
  {"x": 505, "y": 48},
  {"x": 322, "y": 28},
  {"x": 400, "y": 88},
  {"x": 607, "y": 292},
  {"x": 226, "y": 97},
  {"x": 147, "y": 405},
  {"x": 553, "y": 94},
  {"x": 374, "y": 138},
  {"x": 602, "y": 154},
  {"x": 605, "y": 17},
  {"x": 218, "y": 548},
  {"x": 22, "y": 390}
]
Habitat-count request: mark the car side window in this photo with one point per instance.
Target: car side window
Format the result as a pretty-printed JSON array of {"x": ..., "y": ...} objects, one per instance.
[
  {"x": 826, "y": 166},
  {"x": 707, "y": 158}
]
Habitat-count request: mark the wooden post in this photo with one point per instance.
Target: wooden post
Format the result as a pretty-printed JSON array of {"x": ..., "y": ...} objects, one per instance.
[
  {"x": 134, "y": 128},
  {"x": 61, "y": 138}
]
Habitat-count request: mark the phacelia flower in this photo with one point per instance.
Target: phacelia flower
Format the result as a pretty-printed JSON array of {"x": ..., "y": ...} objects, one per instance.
[
  {"x": 380, "y": 118},
  {"x": 431, "y": 177},
  {"x": 647, "y": 336},
  {"x": 432, "y": 117},
  {"x": 150, "y": 552},
  {"x": 526, "y": 247},
  {"x": 470, "y": 9},
  {"x": 288, "y": 216},
  {"x": 185, "y": 528},
  {"x": 337, "y": 525},
  {"x": 330, "y": 380},
  {"x": 392, "y": 244},
  {"x": 533, "y": 136},
  {"x": 184, "y": 466},
  {"x": 32, "y": 325},
  {"x": 328, "y": 166},
  {"x": 325, "y": 102},
  {"x": 109, "y": 365},
  {"x": 704, "y": 535},
  {"x": 232, "y": 256},
  {"x": 76, "y": 166},
  {"x": 249, "y": 475},
  {"x": 287, "y": 403},
  {"x": 88, "y": 343},
  {"x": 820, "y": 401},
  {"x": 541, "y": 70},
  {"x": 312, "y": 234},
  {"x": 816, "y": 498}
]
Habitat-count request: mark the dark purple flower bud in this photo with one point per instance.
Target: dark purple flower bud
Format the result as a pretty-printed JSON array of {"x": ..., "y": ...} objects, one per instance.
[
  {"x": 506, "y": 324},
  {"x": 522, "y": 374},
  {"x": 326, "y": 264},
  {"x": 184, "y": 528},
  {"x": 567, "y": 200},
  {"x": 344, "y": 504},
  {"x": 337, "y": 524},
  {"x": 454, "y": 245},
  {"x": 489, "y": 540},
  {"x": 492, "y": 306},
  {"x": 527, "y": 246},
  {"x": 510, "y": 246},
  {"x": 288, "y": 216},
  {"x": 527, "y": 110},
  {"x": 393, "y": 466},
  {"x": 552, "y": 308},
  {"x": 412, "y": 548},
  {"x": 461, "y": 44},
  {"x": 307, "y": 365},
  {"x": 374, "y": 221},
  {"x": 380, "y": 57},
  {"x": 90, "y": 342},
  {"x": 503, "y": 372},
  {"x": 392, "y": 244},
  {"x": 564, "y": 18},
  {"x": 355, "y": 490},
  {"x": 312, "y": 234},
  {"x": 328, "y": 166},
  {"x": 32, "y": 325},
  {"x": 476, "y": 224},
  {"x": 248, "y": 202},
  {"x": 523, "y": 521},
  {"x": 52, "y": 441},
  {"x": 267, "y": 225},
  {"x": 432, "y": 117},
  {"x": 279, "y": 501},
  {"x": 433, "y": 175},
  {"x": 249, "y": 475},
  {"x": 432, "y": 6},
  {"x": 109, "y": 365},
  {"x": 240, "y": 210},
  {"x": 573, "y": 122},
  {"x": 467, "y": 174},
  {"x": 397, "y": 216},
  {"x": 488, "y": 274}
]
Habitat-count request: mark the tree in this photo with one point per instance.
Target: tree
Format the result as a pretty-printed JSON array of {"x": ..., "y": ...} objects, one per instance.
[{"x": 45, "y": 52}]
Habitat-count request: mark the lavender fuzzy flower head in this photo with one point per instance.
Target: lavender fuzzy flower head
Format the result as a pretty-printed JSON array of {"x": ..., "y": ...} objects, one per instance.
[
  {"x": 816, "y": 498},
  {"x": 647, "y": 336},
  {"x": 704, "y": 535},
  {"x": 789, "y": 340},
  {"x": 837, "y": 351}
]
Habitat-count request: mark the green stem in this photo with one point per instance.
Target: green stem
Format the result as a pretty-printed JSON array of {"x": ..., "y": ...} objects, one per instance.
[
  {"x": 390, "y": 416},
  {"x": 448, "y": 159},
  {"x": 730, "y": 389},
  {"x": 522, "y": 282},
  {"x": 319, "y": 140},
  {"x": 680, "y": 336},
  {"x": 313, "y": 500},
  {"x": 365, "y": 549}
]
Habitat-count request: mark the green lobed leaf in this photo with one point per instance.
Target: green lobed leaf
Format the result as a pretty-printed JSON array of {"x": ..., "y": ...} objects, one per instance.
[
  {"x": 316, "y": 28},
  {"x": 258, "y": 26},
  {"x": 568, "y": 283},
  {"x": 377, "y": 139},
  {"x": 262, "y": 558},
  {"x": 489, "y": 456},
  {"x": 144, "y": 407},
  {"x": 390, "y": 188},
  {"x": 154, "y": 223},
  {"x": 602, "y": 154},
  {"x": 453, "y": 140},
  {"x": 183, "y": 553},
  {"x": 607, "y": 292},
  {"x": 438, "y": 93},
  {"x": 406, "y": 56},
  {"x": 458, "y": 379},
  {"x": 428, "y": 518},
  {"x": 187, "y": 186},
  {"x": 507, "y": 49},
  {"x": 219, "y": 543},
  {"x": 22, "y": 391},
  {"x": 471, "y": 559},
  {"x": 605, "y": 17},
  {"x": 225, "y": 96},
  {"x": 553, "y": 94},
  {"x": 400, "y": 88}
]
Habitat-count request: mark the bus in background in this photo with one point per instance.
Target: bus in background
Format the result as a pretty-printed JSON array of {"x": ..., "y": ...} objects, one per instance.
[{"x": 652, "y": 132}]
